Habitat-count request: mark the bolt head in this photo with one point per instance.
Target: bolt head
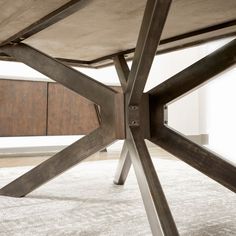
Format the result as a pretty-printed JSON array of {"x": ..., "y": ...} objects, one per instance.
[{"x": 133, "y": 107}]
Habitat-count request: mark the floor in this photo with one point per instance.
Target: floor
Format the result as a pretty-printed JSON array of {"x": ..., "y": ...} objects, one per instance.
[
  {"x": 85, "y": 202},
  {"x": 112, "y": 153}
]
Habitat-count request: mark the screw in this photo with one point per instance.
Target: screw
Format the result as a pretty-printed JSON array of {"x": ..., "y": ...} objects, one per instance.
[
  {"x": 134, "y": 123},
  {"x": 133, "y": 107}
]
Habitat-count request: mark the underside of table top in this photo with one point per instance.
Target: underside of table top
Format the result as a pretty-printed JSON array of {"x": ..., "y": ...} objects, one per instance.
[{"x": 91, "y": 32}]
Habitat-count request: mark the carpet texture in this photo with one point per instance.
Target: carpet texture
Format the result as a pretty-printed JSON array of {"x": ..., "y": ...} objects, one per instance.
[{"x": 83, "y": 201}]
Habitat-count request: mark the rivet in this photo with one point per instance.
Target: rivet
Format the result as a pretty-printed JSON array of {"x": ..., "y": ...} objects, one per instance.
[
  {"x": 134, "y": 123},
  {"x": 133, "y": 107}
]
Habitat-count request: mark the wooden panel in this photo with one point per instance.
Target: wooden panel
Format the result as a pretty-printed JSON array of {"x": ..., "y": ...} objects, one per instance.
[
  {"x": 69, "y": 113},
  {"x": 25, "y": 111},
  {"x": 22, "y": 108},
  {"x": 120, "y": 109}
]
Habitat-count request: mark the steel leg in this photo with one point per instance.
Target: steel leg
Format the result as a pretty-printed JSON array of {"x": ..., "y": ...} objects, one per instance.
[
  {"x": 198, "y": 157},
  {"x": 123, "y": 166},
  {"x": 57, "y": 164},
  {"x": 158, "y": 212}
]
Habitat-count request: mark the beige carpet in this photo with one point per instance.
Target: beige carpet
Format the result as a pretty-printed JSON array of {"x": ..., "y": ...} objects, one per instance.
[{"x": 83, "y": 201}]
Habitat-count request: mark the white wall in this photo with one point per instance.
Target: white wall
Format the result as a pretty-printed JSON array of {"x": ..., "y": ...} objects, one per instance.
[
  {"x": 35, "y": 141},
  {"x": 183, "y": 115},
  {"x": 221, "y": 114},
  {"x": 217, "y": 113},
  {"x": 19, "y": 71}
]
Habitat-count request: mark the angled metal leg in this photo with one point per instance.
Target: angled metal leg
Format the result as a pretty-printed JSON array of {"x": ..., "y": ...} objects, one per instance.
[
  {"x": 83, "y": 85},
  {"x": 198, "y": 157},
  {"x": 65, "y": 75},
  {"x": 57, "y": 164},
  {"x": 184, "y": 82},
  {"x": 150, "y": 33},
  {"x": 122, "y": 70},
  {"x": 195, "y": 75},
  {"x": 158, "y": 212},
  {"x": 159, "y": 215},
  {"x": 124, "y": 160},
  {"x": 133, "y": 82},
  {"x": 124, "y": 165}
]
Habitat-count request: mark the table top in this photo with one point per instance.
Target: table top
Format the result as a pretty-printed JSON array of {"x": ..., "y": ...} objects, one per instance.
[{"x": 99, "y": 29}]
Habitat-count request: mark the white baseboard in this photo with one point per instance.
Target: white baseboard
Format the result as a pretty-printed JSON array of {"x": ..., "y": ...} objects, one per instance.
[{"x": 31, "y": 151}]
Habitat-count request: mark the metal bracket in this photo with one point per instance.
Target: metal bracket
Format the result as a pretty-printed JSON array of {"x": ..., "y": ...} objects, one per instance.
[{"x": 134, "y": 115}]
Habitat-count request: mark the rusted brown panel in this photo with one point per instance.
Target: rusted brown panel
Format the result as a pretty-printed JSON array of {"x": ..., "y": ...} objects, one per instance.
[
  {"x": 22, "y": 108},
  {"x": 69, "y": 113},
  {"x": 120, "y": 109},
  {"x": 120, "y": 117}
]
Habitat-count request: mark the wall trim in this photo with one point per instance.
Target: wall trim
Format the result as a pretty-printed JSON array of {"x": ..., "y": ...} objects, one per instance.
[{"x": 201, "y": 139}]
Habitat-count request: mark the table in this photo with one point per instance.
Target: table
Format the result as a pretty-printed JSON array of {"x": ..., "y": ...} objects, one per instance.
[{"x": 52, "y": 36}]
